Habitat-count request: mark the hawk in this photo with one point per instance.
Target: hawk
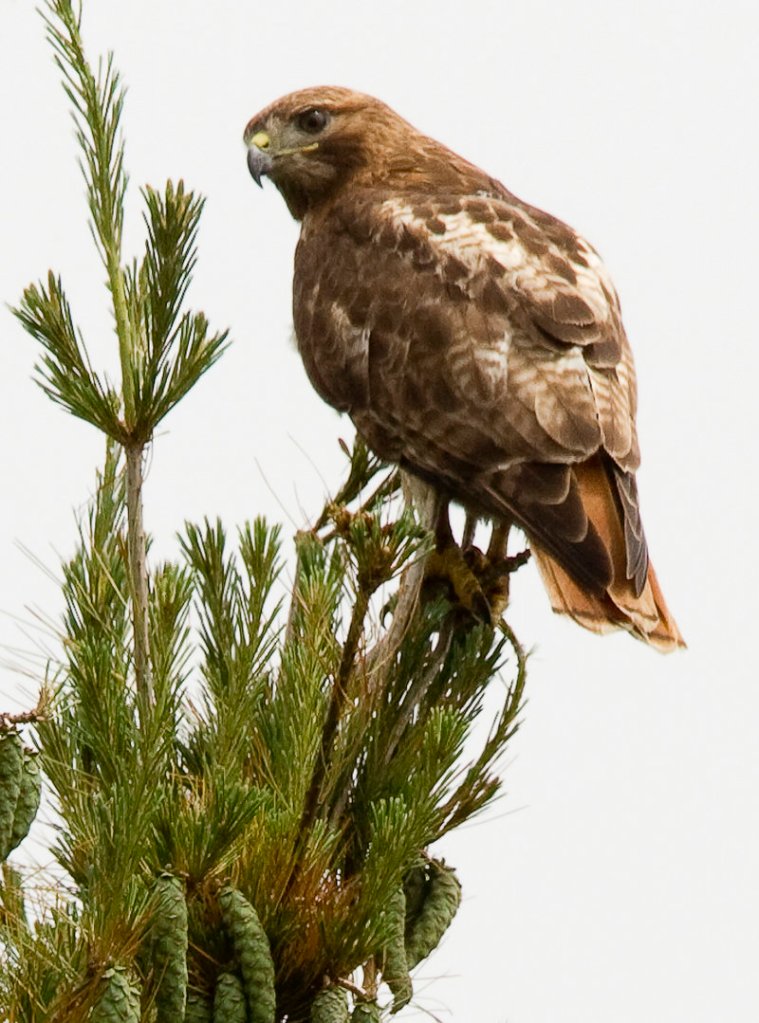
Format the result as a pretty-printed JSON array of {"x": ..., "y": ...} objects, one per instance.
[{"x": 472, "y": 338}]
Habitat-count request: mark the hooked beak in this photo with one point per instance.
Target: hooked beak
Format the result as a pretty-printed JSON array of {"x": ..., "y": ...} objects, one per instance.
[{"x": 259, "y": 163}]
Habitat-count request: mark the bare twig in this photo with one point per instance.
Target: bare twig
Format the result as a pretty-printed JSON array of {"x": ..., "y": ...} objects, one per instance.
[
  {"x": 27, "y": 717},
  {"x": 370, "y": 978},
  {"x": 355, "y": 990}
]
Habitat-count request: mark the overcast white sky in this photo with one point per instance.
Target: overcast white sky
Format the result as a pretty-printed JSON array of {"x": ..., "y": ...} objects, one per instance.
[{"x": 616, "y": 881}]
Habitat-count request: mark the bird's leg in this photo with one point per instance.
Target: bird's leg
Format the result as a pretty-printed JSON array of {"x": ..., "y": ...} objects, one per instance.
[
  {"x": 447, "y": 565},
  {"x": 470, "y": 527},
  {"x": 496, "y": 576},
  {"x": 499, "y": 541},
  {"x": 443, "y": 533},
  {"x": 474, "y": 557}
]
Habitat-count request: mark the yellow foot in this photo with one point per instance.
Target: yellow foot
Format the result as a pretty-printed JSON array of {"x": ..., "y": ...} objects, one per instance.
[
  {"x": 477, "y": 582},
  {"x": 494, "y": 577},
  {"x": 449, "y": 568}
]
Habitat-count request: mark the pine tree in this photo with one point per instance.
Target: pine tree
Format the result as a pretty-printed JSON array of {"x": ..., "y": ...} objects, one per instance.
[{"x": 260, "y": 850}]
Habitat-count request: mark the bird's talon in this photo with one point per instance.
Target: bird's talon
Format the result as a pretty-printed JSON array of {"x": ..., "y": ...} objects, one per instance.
[
  {"x": 475, "y": 559},
  {"x": 448, "y": 566}
]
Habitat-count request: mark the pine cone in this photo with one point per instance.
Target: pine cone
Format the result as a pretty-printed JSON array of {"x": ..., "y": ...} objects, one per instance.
[
  {"x": 395, "y": 969},
  {"x": 229, "y": 1000},
  {"x": 251, "y": 947},
  {"x": 198, "y": 1008},
  {"x": 366, "y": 1012},
  {"x": 415, "y": 886},
  {"x": 119, "y": 1001},
  {"x": 330, "y": 1006},
  {"x": 28, "y": 802},
  {"x": 11, "y": 769},
  {"x": 437, "y": 912},
  {"x": 169, "y": 949}
]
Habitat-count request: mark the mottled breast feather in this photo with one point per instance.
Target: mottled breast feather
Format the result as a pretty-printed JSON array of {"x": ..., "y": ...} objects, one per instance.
[{"x": 479, "y": 342}]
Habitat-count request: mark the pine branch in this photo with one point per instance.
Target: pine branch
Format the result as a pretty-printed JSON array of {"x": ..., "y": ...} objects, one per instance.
[
  {"x": 97, "y": 103},
  {"x": 163, "y": 351},
  {"x": 177, "y": 348},
  {"x": 64, "y": 372},
  {"x": 139, "y": 574},
  {"x": 336, "y": 704},
  {"x": 479, "y": 785}
]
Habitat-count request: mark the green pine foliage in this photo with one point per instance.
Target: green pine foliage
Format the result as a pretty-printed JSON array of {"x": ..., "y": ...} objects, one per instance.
[{"x": 250, "y": 748}]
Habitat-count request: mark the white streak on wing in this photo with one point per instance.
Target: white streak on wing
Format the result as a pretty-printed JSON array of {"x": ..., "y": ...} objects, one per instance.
[
  {"x": 464, "y": 238},
  {"x": 564, "y": 401},
  {"x": 481, "y": 370},
  {"x": 357, "y": 338},
  {"x": 626, "y": 373},
  {"x": 613, "y": 413},
  {"x": 349, "y": 343},
  {"x": 596, "y": 269},
  {"x": 594, "y": 278},
  {"x": 525, "y": 271},
  {"x": 470, "y": 240},
  {"x": 486, "y": 364}
]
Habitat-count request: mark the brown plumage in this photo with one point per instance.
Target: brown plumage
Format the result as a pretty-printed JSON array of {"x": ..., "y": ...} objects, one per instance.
[{"x": 472, "y": 338}]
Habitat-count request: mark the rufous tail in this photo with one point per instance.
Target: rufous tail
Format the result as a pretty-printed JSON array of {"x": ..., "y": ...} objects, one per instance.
[{"x": 645, "y": 615}]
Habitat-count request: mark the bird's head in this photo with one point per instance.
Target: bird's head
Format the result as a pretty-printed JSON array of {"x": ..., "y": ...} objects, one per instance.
[{"x": 312, "y": 142}]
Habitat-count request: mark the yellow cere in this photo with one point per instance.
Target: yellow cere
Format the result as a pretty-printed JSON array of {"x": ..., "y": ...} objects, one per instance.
[{"x": 261, "y": 140}]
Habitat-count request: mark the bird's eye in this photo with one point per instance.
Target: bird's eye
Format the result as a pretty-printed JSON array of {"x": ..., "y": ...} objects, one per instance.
[{"x": 313, "y": 120}]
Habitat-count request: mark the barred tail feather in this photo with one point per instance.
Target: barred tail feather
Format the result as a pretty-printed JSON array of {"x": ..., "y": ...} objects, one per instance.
[{"x": 646, "y": 617}]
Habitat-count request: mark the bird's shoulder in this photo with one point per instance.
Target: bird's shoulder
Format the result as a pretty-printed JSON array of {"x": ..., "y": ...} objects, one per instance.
[{"x": 486, "y": 246}]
